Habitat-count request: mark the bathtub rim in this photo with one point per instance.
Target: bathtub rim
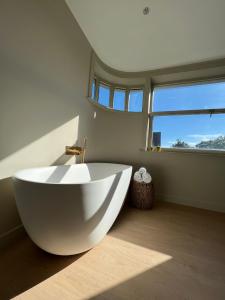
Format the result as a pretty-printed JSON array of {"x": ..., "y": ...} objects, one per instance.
[{"x": 16, "y": 175}]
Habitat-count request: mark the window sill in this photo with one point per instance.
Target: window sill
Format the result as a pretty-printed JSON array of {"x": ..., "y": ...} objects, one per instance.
[
  {"x": 188, "y": 151},
  {"x": 112, "y": 109}
]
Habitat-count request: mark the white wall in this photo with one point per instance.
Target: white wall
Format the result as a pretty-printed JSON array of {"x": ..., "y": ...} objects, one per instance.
[
  {"x": 44, "y": 70},
  {"x": 187, "y": 178},
  {"x": 190, "y": 179}
]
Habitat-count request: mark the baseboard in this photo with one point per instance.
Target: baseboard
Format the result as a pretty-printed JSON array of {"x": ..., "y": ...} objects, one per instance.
[
  {"x": 218, "y": 207},
  {"x": 11, "y": 235}
]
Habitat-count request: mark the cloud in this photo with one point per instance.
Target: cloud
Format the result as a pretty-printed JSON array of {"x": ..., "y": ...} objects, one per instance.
[
  {"x": 205, "y": 137},
  {"x": 192, "y": 144}
]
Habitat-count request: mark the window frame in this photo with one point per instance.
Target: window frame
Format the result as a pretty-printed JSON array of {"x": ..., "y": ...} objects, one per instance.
[
  {"x": 95, "y": 89},
  {"x": 114, "y": 86},
  {"x": 152, "y": 114}
]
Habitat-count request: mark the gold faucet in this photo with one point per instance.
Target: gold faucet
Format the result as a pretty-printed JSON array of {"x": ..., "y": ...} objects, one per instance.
[{"x": 76, "y": 150}]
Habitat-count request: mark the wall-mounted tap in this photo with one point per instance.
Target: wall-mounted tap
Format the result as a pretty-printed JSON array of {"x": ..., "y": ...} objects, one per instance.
[{"x": 76, "y": 150}]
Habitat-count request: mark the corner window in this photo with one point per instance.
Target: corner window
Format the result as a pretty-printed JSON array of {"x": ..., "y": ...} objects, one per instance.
[
  {"x": 115, "y": 97},
  {"x": 135, "y": 103},
  {"x": 190, "y": 116},
  {"x": 119, "y": 97},
  {"x": 104, "y": 95}
]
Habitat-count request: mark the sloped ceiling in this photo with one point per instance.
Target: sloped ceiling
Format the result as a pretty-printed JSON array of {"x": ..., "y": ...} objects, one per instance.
[{"x": 175, "y": 32}]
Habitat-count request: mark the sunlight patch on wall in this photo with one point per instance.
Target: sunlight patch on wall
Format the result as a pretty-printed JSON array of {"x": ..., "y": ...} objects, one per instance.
[{"x": 44, "y": 151}]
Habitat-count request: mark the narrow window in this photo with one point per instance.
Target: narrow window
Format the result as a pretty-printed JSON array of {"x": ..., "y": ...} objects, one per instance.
[
  {"x": 119, "y": 99},
  {"x": 135, "y": 101},
  {"x": 104, "y": 95},
  {"x": 93, "y": 87}
]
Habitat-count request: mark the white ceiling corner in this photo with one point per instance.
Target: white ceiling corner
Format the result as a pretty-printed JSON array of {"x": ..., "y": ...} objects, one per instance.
[{"x": 176, "y": 32}]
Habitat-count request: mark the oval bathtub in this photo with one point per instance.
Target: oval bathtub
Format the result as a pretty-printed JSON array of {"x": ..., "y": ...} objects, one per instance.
[{"x": 69, "y": 209}]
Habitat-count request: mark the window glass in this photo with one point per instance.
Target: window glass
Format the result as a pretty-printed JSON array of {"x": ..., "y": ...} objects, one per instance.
[
  {"x": 119, "y": 99},
  {"x": 135, "y": 101},
  {"x": 191, "y": 131},
  {"x": 189, "y": 97},
  {"x": 103, "y": 95},
  {"x": 93, "y": 87}
]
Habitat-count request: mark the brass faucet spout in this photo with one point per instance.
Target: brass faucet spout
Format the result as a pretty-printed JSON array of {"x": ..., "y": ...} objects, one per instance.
[{"x": 75, "y": 150}]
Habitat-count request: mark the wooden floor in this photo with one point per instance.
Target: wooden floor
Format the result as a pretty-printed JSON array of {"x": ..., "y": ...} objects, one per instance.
[{"x": 172, "y": 252}]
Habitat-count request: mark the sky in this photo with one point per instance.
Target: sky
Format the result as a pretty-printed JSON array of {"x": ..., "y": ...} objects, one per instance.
[
  {"x": 135, "y": 98},
  {"x": 191, "y": 129},
  {"x": 119, "y": 99}
]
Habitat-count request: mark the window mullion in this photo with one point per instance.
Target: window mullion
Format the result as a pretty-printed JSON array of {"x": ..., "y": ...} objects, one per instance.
[
  {"x": 97, "y": 89},
  {"x": 111, "y": 97},
  {"x": 149, "y": 128},
  {"x": 188, "y": 112},
  {"x": 127, "y": 99}
]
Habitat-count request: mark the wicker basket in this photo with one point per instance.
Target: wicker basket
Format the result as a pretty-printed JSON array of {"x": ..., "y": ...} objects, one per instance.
[{"x": 142, "y": 194}]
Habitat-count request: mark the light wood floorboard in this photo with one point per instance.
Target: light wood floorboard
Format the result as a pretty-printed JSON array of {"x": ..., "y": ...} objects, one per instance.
[{"x": 172, "y": 252}]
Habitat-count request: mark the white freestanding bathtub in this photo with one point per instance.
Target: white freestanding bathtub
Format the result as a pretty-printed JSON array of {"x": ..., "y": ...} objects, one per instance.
[{"x": 69, "y": 209}]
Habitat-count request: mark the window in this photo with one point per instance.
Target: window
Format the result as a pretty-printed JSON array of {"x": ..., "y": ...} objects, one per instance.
[
  {"x": 135, "y": 101},
  {"x": 93, "y": 87},
  {"x": 190, "y": 116},
  {"x": 104, "y": 95},
  {"x": 119, "y": 99},
  {"x": 116, "y": 97},
  {"x": 186, "y": 97}
]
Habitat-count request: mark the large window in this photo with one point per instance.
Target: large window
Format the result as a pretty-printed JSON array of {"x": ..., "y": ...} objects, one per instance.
[
  {"x": 190, "y": 116},
  {"x": 124, "y": 98}
]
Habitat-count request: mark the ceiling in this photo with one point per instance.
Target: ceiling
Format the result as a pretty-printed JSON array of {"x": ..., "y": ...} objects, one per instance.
[{"x": 175, "y": 32}]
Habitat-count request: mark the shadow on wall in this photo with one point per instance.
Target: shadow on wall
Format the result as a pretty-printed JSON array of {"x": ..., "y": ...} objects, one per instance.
[
  {"x": 44, "y": 151},
  {"x": 9, "y": 217},
  {"x": 44, "y": 71},
  {"x": 45, "y": 61},
  {"x": 62, "y": 159},
  {"x": 33, "y": 107},
  {"x": 39, "y": 153}
]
